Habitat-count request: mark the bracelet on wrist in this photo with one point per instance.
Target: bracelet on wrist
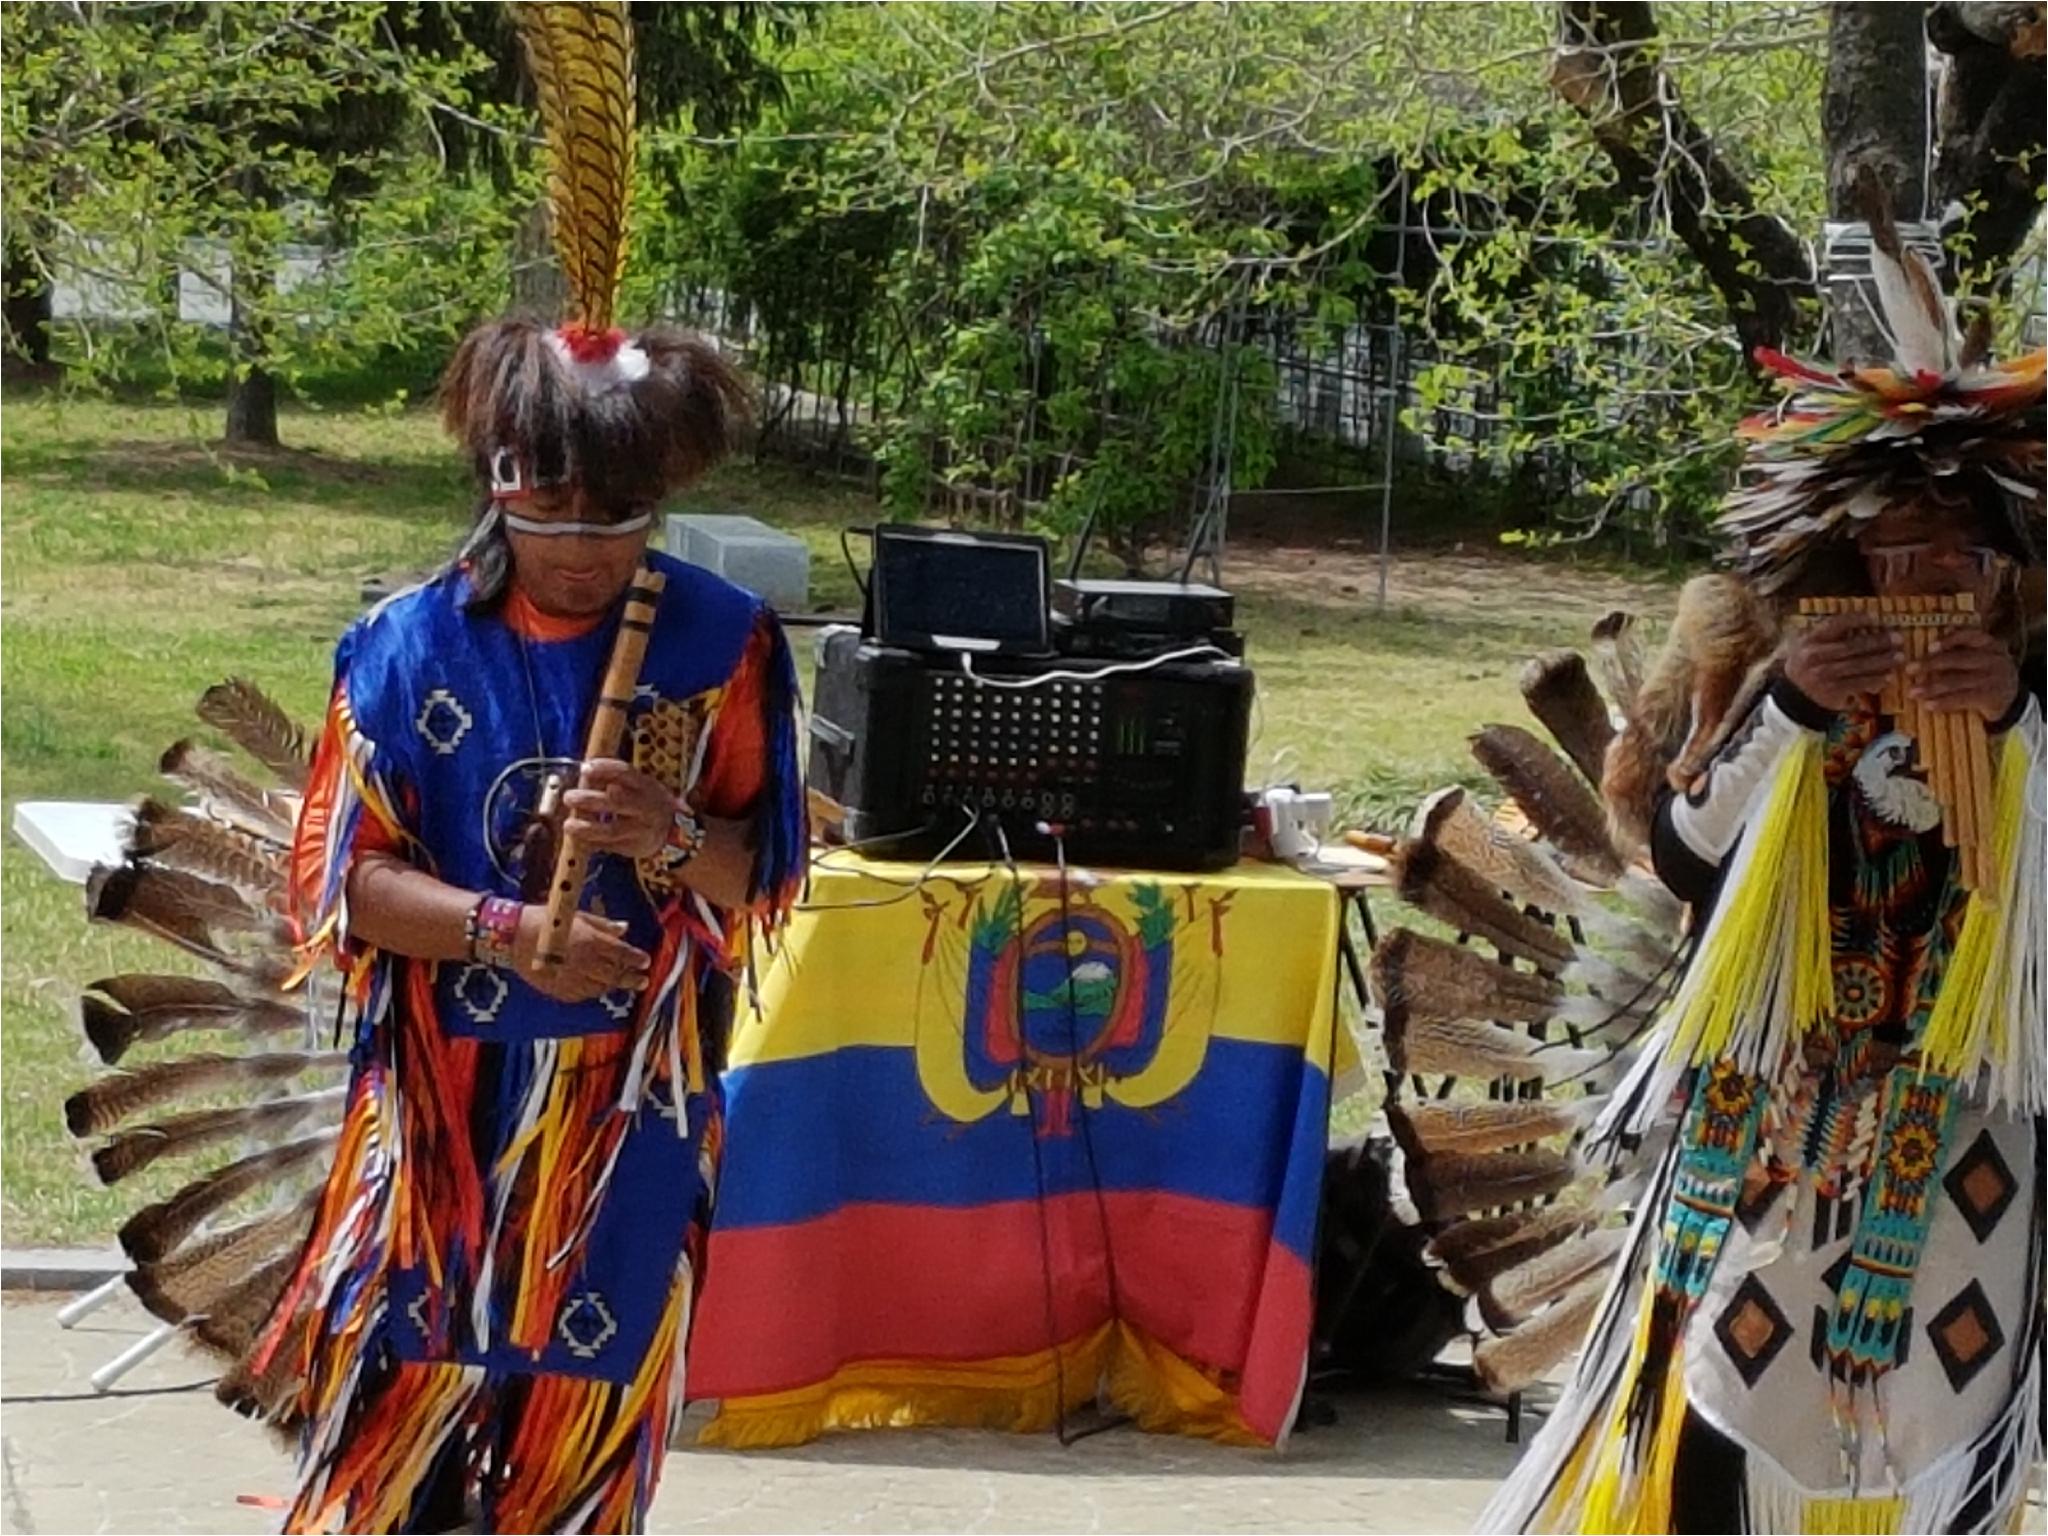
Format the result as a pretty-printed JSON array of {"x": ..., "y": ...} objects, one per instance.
[
  {"x": 493, "y": 929},
  {"x": 684, "y": 842}
]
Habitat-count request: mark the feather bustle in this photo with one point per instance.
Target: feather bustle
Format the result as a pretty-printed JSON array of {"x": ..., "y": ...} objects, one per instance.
[
  {"x": 1518, "y": 1359},
  {"x": 230, "y": 795},
  {"x": 184, "y": 840},
  {"x": 121, "y": 1095},
  {"x": 1474, "y": 1252},
  {"x": 1456, "y": 1184},
  {"x": 192, "y": 1280},
  {"x": 1527, "y": 873},
  {"x": 237, "y": 1316},
  {"x": 132, "y": 1151},
  {"x": 1562, "y": 694},
  {"x": 1512, "y": 1297},
  {"x": 1429, "y": 878},
  {"x": 1484, "y": 1126},
  {"x": 151, "y": 1013},
  {"x": 271, "y": 1396},
  {"x": 1427, "y": 977},
  {"x": 156, "y": 1231},
  {"x": 1467, "y": 1048},
  {"x": 253, "y": 721},
  {"x": 1554, "y": 798}
]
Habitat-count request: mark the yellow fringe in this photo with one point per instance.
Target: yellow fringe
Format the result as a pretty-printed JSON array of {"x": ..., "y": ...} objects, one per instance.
[
  {"x": 1968, "y": 1025},
  {"x": 1853, "y": 1517},
  {"x": 1653, "y": 1495},
  {"x": 1019, "y": 1393},
  {"x": 1786, "y": 889},
  {"x": 1630, "y": 1495}
]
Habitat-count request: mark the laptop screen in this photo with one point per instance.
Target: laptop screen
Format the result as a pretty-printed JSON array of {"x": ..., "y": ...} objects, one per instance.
[{"x": 959, "y": 591}]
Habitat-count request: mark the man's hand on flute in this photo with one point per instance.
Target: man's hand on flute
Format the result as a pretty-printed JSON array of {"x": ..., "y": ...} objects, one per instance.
[{"x": 619, "y": 809}]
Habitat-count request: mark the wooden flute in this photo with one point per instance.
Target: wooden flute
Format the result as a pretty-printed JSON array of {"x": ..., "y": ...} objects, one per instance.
[{"x": 607, "y": 730}]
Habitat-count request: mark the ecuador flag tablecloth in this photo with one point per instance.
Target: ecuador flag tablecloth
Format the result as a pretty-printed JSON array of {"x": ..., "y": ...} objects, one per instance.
[{"x": 998, "y": 1138}]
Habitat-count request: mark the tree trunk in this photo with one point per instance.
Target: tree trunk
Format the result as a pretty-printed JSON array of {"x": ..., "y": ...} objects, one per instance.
[
  {"x": 1607, "y": 65},
  {"x": 1873, "y": 118},
  {"x": 252, "y": 389},
  {"x": 27, "y": 310},
  {"x": 252, "y": 409},
  {"x": 1990, "y": 157}
]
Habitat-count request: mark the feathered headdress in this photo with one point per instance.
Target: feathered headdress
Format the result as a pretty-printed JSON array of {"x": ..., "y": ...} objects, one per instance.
[
  {"x": 628, "y": 416},
  {"x": 1940, "y": 423}
]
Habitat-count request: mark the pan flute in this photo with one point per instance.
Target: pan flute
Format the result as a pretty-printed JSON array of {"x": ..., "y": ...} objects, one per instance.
[{"x": 1954, "y": 749}]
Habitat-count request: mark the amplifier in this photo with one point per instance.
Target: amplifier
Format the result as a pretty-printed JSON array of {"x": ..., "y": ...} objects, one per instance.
[{"x": 1139, "y": 768}]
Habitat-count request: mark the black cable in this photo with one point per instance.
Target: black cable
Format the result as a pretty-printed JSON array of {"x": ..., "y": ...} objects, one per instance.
[
  {"x": 1116, "y": 1311},
  {"x": 1052, "y": 1322},
  {"x": 846, "y": 551}
]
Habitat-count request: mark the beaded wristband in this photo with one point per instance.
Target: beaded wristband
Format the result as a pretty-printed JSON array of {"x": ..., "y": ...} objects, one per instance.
[
  {"x": 493, "y": 930},
  {"x": 685, "y": 841}
]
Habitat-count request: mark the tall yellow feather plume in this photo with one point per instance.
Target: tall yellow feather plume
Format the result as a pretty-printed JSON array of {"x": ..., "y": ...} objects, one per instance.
[{"x": 581, "y": 56}]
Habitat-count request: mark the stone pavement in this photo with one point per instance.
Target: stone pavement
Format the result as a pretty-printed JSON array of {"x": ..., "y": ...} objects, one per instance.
[{"x": 157, "y": 1454}]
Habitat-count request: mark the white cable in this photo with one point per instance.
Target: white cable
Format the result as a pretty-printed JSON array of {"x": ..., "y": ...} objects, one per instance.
[
  {"x": 909, "y": 887},
  {"x": 1064, "y": 676}
]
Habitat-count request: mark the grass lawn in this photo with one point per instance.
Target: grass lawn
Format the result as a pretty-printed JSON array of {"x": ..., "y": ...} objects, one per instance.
[{"x": 139, "y": 568}]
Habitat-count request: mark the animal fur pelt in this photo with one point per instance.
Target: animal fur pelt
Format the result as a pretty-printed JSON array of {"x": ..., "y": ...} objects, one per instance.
[
  {"x": 1424, "y": 978},
  {"x": 1554, "y": 798},
  {"x": 138, "y": 1007},
  {"x": 1618, "y": 657},
  {"x": 253, "y": 721},
  {"x": 1434, "y": 1129},
  {"x": 1562, "y": 694},
  {"x": 1457, "y": 1183},
  {"x": 1723, "y": 638},
  {"x": 1429, "y": 878},
  {"x": 1518, "y": 1359}
]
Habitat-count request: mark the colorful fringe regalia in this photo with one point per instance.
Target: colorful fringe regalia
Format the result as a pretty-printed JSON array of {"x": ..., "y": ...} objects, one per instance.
[
  {"x": 489, "y": 1319},
  {"x": 1829, "y": 1313}
]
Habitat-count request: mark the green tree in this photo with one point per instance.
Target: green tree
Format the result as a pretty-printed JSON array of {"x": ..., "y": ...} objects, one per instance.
[
  {"x": 142, "y": 139},
  {"x": 396, "y": 139}
]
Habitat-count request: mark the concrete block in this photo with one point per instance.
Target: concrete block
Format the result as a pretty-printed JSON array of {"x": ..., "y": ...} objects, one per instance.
[
  {"x": 746, "y": 552},
  {"x": 71, "y": 836}
]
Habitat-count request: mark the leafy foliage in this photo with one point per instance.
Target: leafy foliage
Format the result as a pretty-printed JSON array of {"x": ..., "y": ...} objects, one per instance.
[
  {"x": 394, "y": 140},
  {"x": 1045, "y": 243}
]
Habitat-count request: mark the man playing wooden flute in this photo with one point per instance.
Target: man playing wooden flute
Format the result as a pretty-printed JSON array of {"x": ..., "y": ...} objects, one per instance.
[
  {"x": 487, "y": 1319},
  {"x": 1828, "y": 1315}
]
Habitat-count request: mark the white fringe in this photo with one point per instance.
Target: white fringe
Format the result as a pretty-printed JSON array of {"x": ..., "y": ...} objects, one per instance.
[{"x": 2018, "y": 1080}]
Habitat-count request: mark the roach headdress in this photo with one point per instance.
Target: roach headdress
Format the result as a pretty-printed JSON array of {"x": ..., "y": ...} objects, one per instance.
[
  {"x": 629, "y": 417},
  {"x": 1940, "y": 424}
]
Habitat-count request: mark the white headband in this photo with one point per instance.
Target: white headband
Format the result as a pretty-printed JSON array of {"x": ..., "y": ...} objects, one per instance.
[{"x": 547, "y": 530}]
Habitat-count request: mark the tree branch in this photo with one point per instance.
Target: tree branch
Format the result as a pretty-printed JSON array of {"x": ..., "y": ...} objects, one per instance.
[
  {"x": 1607, "y": 65},
  {"x": 1990, "y": 156}
]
